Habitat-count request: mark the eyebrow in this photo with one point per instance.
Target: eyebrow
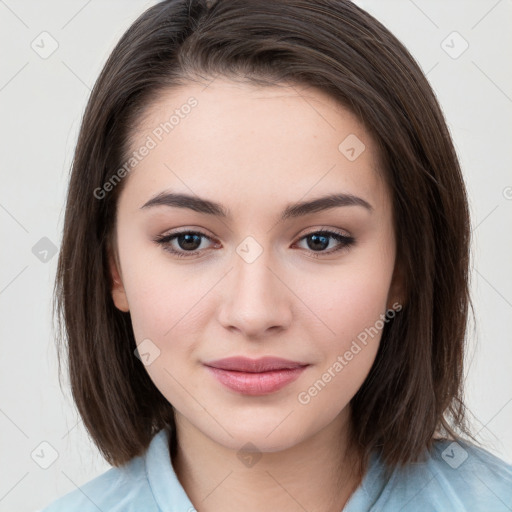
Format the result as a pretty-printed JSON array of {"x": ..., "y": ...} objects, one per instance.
[{"x": 294, "y": 210}]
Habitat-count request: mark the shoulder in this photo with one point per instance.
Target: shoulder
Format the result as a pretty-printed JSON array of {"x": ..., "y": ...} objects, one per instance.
[
  {"x": 126, "y": 488},
  {"x": 461, "y": 476},
  {"x": 452, "y": 475},
  {"x": 118, "y": 489},
  {"x": 147, "y": 483}
]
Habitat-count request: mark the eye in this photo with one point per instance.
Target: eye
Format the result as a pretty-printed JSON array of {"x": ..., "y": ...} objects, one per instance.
[
  {"x": 188, "y": 243},
  {"x": 317, "y": 241}
]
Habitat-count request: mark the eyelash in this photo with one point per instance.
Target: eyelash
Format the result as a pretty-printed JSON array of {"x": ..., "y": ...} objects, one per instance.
[{"x": 164, "y": 240}]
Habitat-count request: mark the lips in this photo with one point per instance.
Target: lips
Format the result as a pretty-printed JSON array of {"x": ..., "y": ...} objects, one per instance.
[
  {"x": 264, "y": 364},
  {"x": 255, "y": 376}
]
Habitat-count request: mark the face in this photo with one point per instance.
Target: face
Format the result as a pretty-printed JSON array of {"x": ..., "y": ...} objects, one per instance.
[{"x": 259, "y": 273}]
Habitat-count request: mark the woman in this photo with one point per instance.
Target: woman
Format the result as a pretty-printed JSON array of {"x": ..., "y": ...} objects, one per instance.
[{"x": 263, "y": 277}]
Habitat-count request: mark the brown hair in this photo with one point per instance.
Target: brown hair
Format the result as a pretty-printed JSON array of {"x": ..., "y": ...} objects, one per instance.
[{"x": 414, "y": 388}]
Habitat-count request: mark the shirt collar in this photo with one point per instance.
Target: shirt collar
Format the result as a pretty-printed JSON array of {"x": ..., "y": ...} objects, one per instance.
[{"x": 165, "y": 486}]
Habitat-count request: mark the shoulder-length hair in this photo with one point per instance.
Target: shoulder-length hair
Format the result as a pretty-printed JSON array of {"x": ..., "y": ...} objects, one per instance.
[{"x": 413, "y": 392}]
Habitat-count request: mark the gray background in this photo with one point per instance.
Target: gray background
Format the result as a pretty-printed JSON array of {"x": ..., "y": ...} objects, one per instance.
[{"x": 41, "y": 102}]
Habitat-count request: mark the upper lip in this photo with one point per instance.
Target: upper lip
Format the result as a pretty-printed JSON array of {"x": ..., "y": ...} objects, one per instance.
[{"x": 245, "y": 364}]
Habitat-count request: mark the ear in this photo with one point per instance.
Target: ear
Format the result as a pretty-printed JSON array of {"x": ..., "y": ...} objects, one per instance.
[
  {"x": 117, "y": 287},
  {"x": 397, "y": 291}
]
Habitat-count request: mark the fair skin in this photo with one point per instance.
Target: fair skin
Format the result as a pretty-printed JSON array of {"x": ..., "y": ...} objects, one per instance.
[{"x": 256, "y": 150}]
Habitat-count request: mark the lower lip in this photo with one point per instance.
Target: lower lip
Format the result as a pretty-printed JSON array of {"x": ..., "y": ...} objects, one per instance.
[{"x": 261, "y": 383}]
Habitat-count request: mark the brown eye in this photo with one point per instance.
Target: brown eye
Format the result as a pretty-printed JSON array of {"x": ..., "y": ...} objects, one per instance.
[
  {"x": 187, "y": 243},
  {"x": 318, "y": 241}
]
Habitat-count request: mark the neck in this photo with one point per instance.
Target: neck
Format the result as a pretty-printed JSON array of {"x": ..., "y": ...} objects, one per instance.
[{"x": 319, "y": 473}]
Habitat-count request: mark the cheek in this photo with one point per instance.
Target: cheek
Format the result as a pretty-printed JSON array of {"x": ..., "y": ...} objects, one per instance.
[
  {"x": 153, "y": 291},
  {"x": 161, "y": 306},
  {"x": 352, "y": 307},
  {"x": 350, "y": 300},
  {"x": 347, "y": 344},
  {"x": 165, "y": 322},
  {"x": 357, "y": 305},
  {"x": 159, "y": 290}
]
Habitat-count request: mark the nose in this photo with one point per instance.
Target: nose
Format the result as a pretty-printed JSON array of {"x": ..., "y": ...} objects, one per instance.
[{"x": 257, "y": 300}]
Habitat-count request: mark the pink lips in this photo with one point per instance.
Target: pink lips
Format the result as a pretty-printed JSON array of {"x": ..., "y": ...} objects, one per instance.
[{"x": 255, "y": 376}]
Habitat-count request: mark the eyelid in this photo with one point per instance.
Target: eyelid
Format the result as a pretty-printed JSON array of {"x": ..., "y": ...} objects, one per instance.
[
  {"x": 328, "y": 229},
  {"x": 200, "y": 231},
  {"x": 173, "y": 234},
  {"x": 184, "y": 231}
]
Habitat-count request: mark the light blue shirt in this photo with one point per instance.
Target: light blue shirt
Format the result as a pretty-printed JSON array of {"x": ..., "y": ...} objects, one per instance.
[{"x": 458, "y": 477}]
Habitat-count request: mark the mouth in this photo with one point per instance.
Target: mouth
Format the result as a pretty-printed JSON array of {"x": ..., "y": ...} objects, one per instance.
[
  {"x": 255, "y": 376},
  {"x": 263, "y": 364}
]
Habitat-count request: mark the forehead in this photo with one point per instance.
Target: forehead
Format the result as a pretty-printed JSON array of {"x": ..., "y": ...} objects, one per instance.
[{"x": 239, "y": 141}]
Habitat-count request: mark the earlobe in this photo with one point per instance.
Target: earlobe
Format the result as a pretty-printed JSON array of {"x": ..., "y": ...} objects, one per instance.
[
  {"x": 117, "y": 287},
  {"x": 397, "y": 295}
]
